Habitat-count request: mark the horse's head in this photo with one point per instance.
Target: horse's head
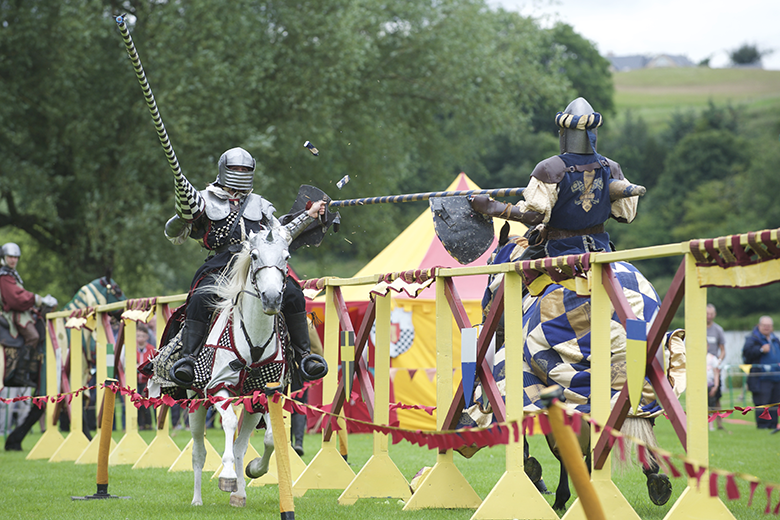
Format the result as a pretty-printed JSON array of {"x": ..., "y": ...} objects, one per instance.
[
  {"x": 268, "y": 254},
  {"x": 109, "y": 288}
]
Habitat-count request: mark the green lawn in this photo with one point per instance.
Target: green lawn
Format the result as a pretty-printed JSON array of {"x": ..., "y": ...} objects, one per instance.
[
  {"x": 40, "y": 489},
  {"x": 657, "y": 93}
]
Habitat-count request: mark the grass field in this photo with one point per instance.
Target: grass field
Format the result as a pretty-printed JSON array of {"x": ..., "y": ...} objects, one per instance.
[
  {"x": 655, "y": 94},
  {"x": 40, "y": 489}
]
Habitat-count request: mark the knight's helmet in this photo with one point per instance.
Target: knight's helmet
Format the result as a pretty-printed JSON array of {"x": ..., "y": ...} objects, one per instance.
[
  {"x": 10, "y": 249},
  {"x": 578, "y": 127},
  {"x": 241, "y": 181}
]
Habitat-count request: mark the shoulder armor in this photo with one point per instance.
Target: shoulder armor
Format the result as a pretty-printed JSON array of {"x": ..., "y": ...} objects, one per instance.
[
  {"x": 257, "y": 208},
  {"x": 218, "y": 208},
  {"x": 614, "y": 169},
  {"x": 550, "y": 170}
]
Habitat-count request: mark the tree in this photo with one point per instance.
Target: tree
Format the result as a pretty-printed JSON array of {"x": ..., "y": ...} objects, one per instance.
[
  {"x": 748, "y": 54},
  {"x": 396, "y": 94}
]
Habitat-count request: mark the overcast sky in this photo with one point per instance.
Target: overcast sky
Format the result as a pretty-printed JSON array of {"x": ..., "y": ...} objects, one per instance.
[{"x": 694, "y": 28}]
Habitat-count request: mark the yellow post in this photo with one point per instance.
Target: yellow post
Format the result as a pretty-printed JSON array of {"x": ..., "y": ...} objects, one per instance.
[
  {"x": 571, "y": 454},
  {"x": 90, "y": 454},
  {"x": 107, "y": 425},
  {"x": 75, "y": 442},
  {"x": 162, "y": 452},
  {"x": 328, "y": 469},
  {"x": 281, "y": 440},
  {"x": 445, "y": 486},
  {"x": 514, "y": 496},
  {"x": 380, "y": 477},
  {"x": 51, "y": 439},
  {"x": 695, "y": 501},
  {"x": 601, "y": 310},
  {"x": 130, "y": 448}
]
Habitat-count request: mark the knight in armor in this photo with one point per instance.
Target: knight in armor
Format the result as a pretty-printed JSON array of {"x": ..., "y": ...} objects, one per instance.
[
  {"x": 19, "y": 315},
  {"x": 220, "y": 218},
  {"x": 18, "y": 304},
  {"x": 572, "y": 194}
]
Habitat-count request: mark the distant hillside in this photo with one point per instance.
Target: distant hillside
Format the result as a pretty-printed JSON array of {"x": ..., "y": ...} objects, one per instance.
[{"x": 656, "y": 93}]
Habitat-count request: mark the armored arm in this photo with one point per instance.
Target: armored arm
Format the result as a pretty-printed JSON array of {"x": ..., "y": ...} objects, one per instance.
[
  {"x": 487, "y": 206},
  {"x": 190, "y": 204},
  {"x": 177, "y": 230}
]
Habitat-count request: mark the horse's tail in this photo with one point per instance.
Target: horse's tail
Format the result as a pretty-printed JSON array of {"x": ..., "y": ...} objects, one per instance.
[{"x": 633, "y": 428}]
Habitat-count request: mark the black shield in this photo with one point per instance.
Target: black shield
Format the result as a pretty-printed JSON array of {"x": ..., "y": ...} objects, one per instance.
[
  {"x": 312, "y": 235},
  {"x": 464, "y": 233}
]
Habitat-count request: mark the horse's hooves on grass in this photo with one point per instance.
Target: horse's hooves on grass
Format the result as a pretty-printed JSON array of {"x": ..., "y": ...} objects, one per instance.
[
  {"x": 237, "y": 501},
  {"x": 228, "y": 484},
  {"x": 468, "y": 451},
  {"x": 659, "y": 488},
  {"x": 533, "y": 469},
  {"x": 255, "y": 469}
]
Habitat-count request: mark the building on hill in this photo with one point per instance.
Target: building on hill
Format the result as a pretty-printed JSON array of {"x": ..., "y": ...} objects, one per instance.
[{"x": 638, "y": 61}]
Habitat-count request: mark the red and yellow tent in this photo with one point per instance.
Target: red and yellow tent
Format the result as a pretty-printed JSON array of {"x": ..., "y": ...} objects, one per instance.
[{"x": 413, "y": 320}]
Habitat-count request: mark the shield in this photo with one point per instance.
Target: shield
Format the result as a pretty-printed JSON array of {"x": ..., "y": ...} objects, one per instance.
[
  {"x": 312, "y": 235},
  {"x": 464, "y": 233}
]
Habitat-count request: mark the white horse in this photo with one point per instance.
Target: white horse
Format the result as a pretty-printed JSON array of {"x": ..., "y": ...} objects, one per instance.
[{"x": 244, "y": 351}]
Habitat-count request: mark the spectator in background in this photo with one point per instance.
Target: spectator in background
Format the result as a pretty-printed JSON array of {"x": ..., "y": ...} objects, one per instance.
[
  {"x": 716, "y": 345},
  {"x": 762, "y": 350},
  {"x": 144, "y": 353},
  {"x": 713, "y": 386}
]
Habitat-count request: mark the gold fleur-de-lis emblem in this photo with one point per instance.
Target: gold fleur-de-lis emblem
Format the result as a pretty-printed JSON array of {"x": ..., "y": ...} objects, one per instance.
[{"x": 587, "y": 188}]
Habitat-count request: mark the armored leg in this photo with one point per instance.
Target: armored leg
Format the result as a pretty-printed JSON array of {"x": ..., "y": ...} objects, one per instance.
[
  {"x": 298, "y": 430},
  {"x": 183, "y": 371},
  {"x": 311, "y": 367}
]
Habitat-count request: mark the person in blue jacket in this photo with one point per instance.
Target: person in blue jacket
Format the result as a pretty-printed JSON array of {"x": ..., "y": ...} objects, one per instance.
[{"x": 762, "y": 350}]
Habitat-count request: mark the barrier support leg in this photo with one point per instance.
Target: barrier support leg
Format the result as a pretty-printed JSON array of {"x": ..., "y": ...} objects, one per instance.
[
  {"x": 380, "y": 477},
  {"x": 328, "y": 469},
  {"x": 514, "y": 496},
  {"x": 131, "y": 446},
  {"x": 51, "y": 438},
  {"x": 609, "y": 495},
  {"x": 695, "y": 501},
  {"x": 75, "y": 442},
  {"x": 445, "y": 486},
  {"x": 90, "y": 454},
  {"x": 162, "y": 451}
]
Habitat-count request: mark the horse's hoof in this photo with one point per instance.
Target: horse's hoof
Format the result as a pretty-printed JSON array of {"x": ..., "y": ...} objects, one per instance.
[
  {"x": 237, "y": 501},
  {"x": 533, "y": 469},
  {"x": 228, "y": 484},
  {"x": 659, "y": 488},
  {"x": 255, "y": 469}
]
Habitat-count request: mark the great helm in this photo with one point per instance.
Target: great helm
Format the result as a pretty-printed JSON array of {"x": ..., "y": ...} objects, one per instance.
[
  {"x": 241, "y": 181},
  {"x": 11, "y": 249},
  {"x": 578, "y": 124}
]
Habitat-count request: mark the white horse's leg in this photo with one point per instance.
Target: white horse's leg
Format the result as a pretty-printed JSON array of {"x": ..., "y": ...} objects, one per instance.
[
  {"x": 238, "y": 498},
  {"x": 259, "y": 466},
  {"x": 197, "y": 427},
  {"x": 227, "y": 478}
]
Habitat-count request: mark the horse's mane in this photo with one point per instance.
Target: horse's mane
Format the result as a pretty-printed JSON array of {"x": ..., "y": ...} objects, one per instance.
[{"x": 230, "y": 284}]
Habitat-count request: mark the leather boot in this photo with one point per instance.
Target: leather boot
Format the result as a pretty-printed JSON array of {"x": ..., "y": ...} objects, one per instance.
[
  {"x": 488, "y": 206},
  {"x": 183, "y": 371},
  {"x": 309, "y": 366},
  {"x": 298, "y": 428}
]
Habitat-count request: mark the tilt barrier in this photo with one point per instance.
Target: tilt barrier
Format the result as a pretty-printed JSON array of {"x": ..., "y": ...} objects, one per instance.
[{"x": 738, "y": 261}]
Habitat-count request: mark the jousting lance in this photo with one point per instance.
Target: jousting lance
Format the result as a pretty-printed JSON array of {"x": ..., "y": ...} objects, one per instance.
[
  {"x": 413, "y": 197},
  {"x": 150, "y": 102}
]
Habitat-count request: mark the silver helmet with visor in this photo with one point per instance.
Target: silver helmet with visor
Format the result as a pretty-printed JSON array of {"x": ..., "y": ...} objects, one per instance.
[{"x": 231, "y": 178}]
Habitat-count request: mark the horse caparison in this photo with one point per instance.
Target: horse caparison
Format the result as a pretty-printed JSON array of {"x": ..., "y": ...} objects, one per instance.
[{"x": 246, "y": 349}]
